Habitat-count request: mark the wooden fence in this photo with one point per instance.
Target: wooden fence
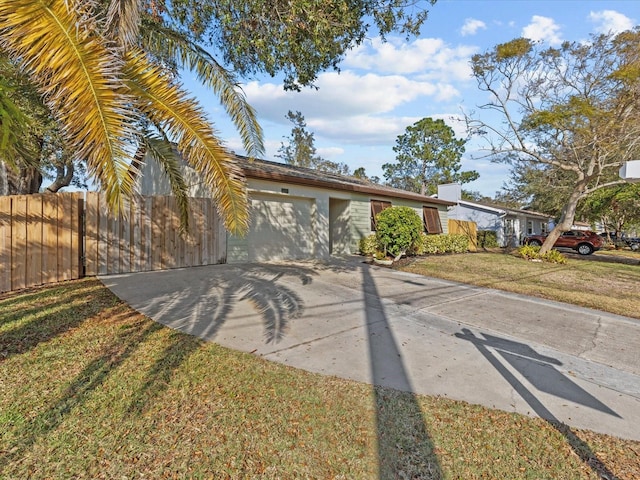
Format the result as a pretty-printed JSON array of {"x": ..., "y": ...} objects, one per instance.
[
  {"x": 469, "y": 229},
  {"x": 40, "y": 239},
  {"x": 52, "y": 237}
]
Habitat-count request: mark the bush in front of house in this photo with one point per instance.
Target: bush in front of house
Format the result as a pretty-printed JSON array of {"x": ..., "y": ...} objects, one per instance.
[
  {"x": 368, "y": 245},
  {"x": 435, "y": 244},
  {"x": 398, "y": 229},
  {"x": 487, "y": 239},
  {"x": 530, "y": 252}
]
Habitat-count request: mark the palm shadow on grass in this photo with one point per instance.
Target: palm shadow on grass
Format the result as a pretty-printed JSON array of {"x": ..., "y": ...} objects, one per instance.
[
  {"x": 158, "y": 377},
  {"x": 49, "y": 318},
  {"x": 405, "y": 447},
  {"x": 522, "y": 357},
  {"x": 81, "y": 387}
]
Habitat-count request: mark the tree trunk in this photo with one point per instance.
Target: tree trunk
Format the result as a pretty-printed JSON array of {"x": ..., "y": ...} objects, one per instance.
[
  {"x": 25, "y": 181},
  {"x": 64, "y": 175},
  {"x": 566, "y": 220}
]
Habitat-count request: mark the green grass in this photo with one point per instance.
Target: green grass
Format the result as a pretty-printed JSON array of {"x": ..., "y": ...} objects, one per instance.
[
  {"x": 91, "y": 389},
  {"x": 610, "y": 287}
]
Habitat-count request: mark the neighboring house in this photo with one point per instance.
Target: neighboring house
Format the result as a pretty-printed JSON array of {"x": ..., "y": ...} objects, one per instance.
[
  {"x": 299, "y": 213},
  {"x": 511, "y": 225}
]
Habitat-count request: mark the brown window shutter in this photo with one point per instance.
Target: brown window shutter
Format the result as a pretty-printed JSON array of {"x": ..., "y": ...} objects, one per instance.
[
  {"x": 431, "y": 219},
  {"x": 376, "y": 207}
]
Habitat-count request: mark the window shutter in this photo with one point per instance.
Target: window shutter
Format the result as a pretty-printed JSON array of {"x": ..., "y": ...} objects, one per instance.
[
  {"x": 376, "y": 207},
  {"x": 431, "y": 219}
]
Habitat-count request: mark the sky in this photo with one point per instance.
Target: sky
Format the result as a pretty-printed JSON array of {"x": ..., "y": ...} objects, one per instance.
[{"x": 382, "y": 88}]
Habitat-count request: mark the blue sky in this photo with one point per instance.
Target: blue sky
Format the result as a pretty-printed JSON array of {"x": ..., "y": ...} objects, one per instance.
[{"x": 382, "y": 88}]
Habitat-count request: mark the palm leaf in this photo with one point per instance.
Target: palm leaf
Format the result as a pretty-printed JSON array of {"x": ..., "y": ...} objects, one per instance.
[
  {"x": 57, "y": 44},
  {"x": 168, "y": 106},
  {"x": 123, "y": 20},
  {"x": 168, "y": 44},
  {"x": 163, "y": 153}
]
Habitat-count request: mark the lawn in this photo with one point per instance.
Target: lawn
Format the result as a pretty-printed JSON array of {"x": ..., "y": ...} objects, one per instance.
[
  {"x": 611, "y": 287},
  {"x": 91, "y": 389}
]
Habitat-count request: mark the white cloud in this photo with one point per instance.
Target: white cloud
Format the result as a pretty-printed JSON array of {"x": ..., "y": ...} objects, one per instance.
[
  {"x": 543, "y": 29},
  {"x": 610, "y": 21},
  {"x": 330, "y": 152},
  {"x": 428, "y": 57},
  {"x": 471, "y": 27},
  {"x": 342, "y": 95}
]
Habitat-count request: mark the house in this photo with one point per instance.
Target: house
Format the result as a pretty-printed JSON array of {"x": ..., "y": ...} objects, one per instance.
[
  {"x": 511, "y": 225},
  {"x": 299, "y": 213}
]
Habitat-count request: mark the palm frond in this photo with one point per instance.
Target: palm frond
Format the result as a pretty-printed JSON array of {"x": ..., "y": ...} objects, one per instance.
[
  {"x": 168, "y": 106},
  {"x": 12, "y": 122},
  {"x": 170, "y": 44},
  {"x": 163, "y": 153},
  {"x": 123, "y": 21},
  {"x": 58, "y": 45}
]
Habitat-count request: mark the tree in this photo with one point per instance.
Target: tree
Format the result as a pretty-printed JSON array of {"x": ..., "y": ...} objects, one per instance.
[
  {"x": 428, "y": 155},
  {"x": 300, "y": 149},
  {"x": 361, "y": 173},
  {"x": 104, "y": 83},
  {"x": 573, "y": 109},
  {"x": 39, "y": 144},
  {"x": 296, "y": 37},
  {"x": 617, "y": 207},
  {"x": 108, "y": 70}
]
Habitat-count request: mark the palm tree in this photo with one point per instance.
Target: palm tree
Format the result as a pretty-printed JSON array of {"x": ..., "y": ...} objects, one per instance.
[{"x": 114, "y": 90}]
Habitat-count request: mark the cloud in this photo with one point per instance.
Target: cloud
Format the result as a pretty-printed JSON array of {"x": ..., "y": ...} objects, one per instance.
[
  {"x": 428, "y": 57},
  {"x": 610, "y": 21},
  {"x": 543, "y": 29},
  {"x": 346, "y": 94},
  {"x": 471, "y": 27}
]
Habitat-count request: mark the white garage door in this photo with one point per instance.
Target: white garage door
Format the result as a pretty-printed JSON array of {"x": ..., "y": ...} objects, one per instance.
[{"x": 280, "y": 228}]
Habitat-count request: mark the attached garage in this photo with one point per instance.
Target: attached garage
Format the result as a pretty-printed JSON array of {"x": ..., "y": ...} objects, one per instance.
[{"x": 281, "y": 228}]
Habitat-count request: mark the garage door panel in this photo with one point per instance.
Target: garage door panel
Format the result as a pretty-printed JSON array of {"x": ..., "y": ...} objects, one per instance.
[{"x": 280, "y": 228}]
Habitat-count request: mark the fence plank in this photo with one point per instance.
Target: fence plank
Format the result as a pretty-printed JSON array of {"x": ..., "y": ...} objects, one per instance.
[
  {"x": 75, "y": 246},
  {"x": 91, "y": 234},
  {"x": 65, "y": 238},
  {"x": 5, "y": 244},
  {"x": 34, "y": 258},
  {"x": 50, "y": 238},
  {"x": 19, "y": 248}
]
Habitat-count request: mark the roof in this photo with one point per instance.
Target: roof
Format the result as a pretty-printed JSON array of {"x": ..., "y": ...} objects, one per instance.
[
  {"x": 267, "y": 170},
  {"x": 498, "y": 209}
]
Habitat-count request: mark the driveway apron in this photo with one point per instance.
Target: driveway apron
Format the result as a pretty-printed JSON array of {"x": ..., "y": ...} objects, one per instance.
[{"x": 372, "y": 324}]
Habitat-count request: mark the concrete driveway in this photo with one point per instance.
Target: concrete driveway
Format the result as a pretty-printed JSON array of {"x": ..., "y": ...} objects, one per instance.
[{"x": 372, "y": 324}]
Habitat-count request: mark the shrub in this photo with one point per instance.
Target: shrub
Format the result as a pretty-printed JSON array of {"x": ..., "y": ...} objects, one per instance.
[
  {"x": 398, "y": 229},
  {"x": 530, "y": 252},
  {"x": 487, "y": 239},
  {"x": 368, "y": 245},
  {"x": 433, "y": 244}
]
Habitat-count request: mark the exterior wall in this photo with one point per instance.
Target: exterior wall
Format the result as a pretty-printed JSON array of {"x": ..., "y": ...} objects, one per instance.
[{"x": 349, "y": 213}]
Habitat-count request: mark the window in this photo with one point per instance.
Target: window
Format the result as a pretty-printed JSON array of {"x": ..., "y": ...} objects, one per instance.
[
  {"x": 376, "y": 207},
  {"x": 543, "y": 228},
  {"x": 529, "y": 227},
  {"x": 431, "y": 219}
]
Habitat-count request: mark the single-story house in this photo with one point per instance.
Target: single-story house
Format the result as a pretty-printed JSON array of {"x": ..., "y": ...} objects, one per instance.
[
  {"x": 511, "y": 225},
  {"x": 299, "y": 213}
]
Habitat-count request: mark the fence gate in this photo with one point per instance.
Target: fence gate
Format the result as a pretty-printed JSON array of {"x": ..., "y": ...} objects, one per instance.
[{"x": 462, "y": 227}]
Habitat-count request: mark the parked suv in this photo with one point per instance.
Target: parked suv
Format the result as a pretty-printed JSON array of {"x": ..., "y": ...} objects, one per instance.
[{"x": 582, "y": 241}]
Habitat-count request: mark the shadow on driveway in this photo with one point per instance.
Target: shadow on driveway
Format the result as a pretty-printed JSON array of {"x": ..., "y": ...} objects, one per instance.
[
  {"x": 405, "y": 448},
  {"x": 538, "y": 369}
]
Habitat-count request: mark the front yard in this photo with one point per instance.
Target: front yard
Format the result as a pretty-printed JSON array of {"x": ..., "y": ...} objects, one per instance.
[{"x": 91, "y": 389}]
